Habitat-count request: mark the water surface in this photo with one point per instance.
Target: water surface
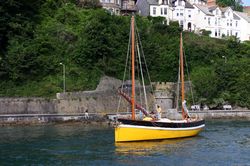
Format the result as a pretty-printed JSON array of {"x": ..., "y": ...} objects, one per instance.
[{"x": 221, "y": 143}]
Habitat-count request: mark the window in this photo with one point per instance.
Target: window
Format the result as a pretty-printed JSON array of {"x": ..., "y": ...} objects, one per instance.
[
  {"x": 219, "y": 21},
  {"x": 217, "y": 12},
  {"x": 189, "y": 26},
  {"x": 236, "y": 34},
  {"x": 227, "y": 32},
  {"x": 198, "y": 11},
  {"x": 236, "y": 23},
  {"x": 215, "y": 33},
  {"x": 231, "y": 22},
  {"x": 154, "y": 10},
  {"x": 165, "y": 11},
  {"x": 164, "y": 2},
  {"x": 177, "y": 14},
  {"x": 215, "y": 21},
  {"x": 161, "y": 11},
  {"x": 181, "y": 14},
  {"x": 208, "y": 21},
  {"x": 219, "y": 32},
  {"x": 204, "y": 18},
  {"x": 111, "y": 10},
  {"x": 228, "y": 13},
  {"x": 117, "y": 2},
  {"x": 181, "y": 23},
  {"x": 189, "y": 16},
  {"x": 231, "y": 33}
]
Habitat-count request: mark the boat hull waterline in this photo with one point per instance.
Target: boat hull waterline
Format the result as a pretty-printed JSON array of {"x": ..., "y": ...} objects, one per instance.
[{"x": 126, "y": 132}]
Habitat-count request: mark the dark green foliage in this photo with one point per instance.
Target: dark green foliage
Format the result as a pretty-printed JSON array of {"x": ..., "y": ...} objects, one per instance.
[
  {"x": 92, "y": 4},
  {"x": 205, "y": 32},
  {"x": 92, "y": 43},
  {"x": 234, "y": 4}
]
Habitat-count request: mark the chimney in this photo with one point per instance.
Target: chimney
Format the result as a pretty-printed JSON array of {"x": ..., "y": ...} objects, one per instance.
[{"x": 211, "y": 2}]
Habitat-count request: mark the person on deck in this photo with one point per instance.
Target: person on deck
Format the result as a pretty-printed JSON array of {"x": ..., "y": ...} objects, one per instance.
[
  {"x": 140, "y": 115},
  {"x": 184, "y": 105},
  {"x": 158, "y": 109},
  {"x": 86, "y": 115}
]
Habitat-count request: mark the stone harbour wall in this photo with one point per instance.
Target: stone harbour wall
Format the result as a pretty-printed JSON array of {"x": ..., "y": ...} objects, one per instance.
[
  {"x": 27, "y": 106},
  {"x": 104, "y": 100}
]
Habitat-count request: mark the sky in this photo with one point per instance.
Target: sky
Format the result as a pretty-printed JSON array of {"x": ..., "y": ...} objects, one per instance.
[{"x": 246, "y": 2}]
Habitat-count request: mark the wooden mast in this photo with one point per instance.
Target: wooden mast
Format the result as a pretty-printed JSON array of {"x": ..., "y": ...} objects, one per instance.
[
  {"x": 182, "y": 77},
  {"x": 133, "y": 68}
]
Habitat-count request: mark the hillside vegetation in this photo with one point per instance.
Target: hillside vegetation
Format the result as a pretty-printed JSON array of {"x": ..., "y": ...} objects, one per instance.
[{"x": 36, "y": 36}]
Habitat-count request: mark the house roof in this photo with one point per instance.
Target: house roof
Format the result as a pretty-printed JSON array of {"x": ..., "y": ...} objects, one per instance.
[
  {"x": 171, "y": 2},
  {"x": 242, "y": 15},
  {"x": 188, "y": 5},
  {"x": 223, "y": 9},
  {"x": 212, "y": 8},
  {"x": 152, "y": 2},
  {"x": 204, "y": 9},
  {"x": 236, "y": 17}
]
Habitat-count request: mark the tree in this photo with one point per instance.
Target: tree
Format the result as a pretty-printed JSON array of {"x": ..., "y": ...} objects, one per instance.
[
  {"x": 93, "y": 4},
  {"x": 205, "y": 32},
  {"x": 234, "y": 4},
  {"x": 205, "y": 82}
]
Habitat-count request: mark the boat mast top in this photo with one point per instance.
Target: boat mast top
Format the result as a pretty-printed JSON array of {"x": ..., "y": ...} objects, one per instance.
[{"x": 133, "y": 67}]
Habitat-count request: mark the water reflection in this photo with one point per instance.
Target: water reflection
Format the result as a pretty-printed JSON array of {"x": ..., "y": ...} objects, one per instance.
[{"x": 151, "y": 147}]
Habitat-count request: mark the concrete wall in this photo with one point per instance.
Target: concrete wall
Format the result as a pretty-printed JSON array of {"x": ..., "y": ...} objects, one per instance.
[
  {"x": 95, "y": 102},
  {"x": 103, "y": 100},
  {"x": 222, "y": 114},
  {"x": 27, "y": 106}
]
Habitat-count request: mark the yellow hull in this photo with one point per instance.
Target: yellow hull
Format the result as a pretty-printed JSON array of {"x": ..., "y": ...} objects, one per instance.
[{"x": 124, "y": 133}]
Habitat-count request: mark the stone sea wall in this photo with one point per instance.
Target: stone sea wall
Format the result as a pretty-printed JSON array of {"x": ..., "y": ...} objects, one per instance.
[
  {"x": 223, "y": 114},
  {"x": 71, "y": 105},
  {"x": 104, "y": 100},
  {"x": 95, "y": 102}
]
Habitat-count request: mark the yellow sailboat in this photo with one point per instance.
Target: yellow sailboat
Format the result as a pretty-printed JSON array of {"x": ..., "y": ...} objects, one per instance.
[{"x": 151, "y": 128}]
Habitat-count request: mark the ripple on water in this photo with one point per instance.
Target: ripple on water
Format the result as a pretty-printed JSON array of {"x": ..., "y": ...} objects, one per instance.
[{"x": 221, "y": 143}]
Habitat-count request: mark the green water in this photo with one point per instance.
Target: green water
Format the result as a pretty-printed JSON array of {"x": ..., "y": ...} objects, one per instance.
[{"x": 221, "y": 143}]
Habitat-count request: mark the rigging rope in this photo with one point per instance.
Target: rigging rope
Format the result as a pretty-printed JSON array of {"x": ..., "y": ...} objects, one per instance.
[
  {"x": 191, "y": 89},
  {"x": 143, "y": 83},
  {"x": 124, "y": 74},
  {"x": 178, "y": 87},
  {"x": 138, "y": 73},
  {"x": 143, "y": 55},
  {"x": 139, "y": 53}
]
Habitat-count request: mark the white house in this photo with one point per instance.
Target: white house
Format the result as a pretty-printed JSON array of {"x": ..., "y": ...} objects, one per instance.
[
  {"x": 195, "y": 15},
  {"x": 244, "y": 24}
]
